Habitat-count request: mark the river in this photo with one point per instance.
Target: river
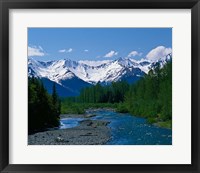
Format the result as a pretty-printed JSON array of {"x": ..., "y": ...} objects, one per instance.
[{"x": 126, "y": 129}]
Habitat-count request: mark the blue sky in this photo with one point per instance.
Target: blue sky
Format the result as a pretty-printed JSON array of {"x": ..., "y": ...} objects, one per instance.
[{"x": 96, "y": 43}]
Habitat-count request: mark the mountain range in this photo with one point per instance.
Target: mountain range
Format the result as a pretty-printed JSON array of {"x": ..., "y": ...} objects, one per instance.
[{"x": 71, "y": 76}]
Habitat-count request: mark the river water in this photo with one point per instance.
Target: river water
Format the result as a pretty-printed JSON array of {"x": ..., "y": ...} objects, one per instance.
[{"x": 127, "y": 129}]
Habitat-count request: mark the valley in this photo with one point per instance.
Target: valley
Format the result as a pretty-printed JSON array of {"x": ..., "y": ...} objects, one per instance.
[{"x": 120, "y": 102}]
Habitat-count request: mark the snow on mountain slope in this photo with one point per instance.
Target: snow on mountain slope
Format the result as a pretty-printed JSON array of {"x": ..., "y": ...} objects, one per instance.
[
  {"x": 88, "y": 71},
  {"x": 162, "y": 61},
  {"x": 94, "y": 63},
  {"x": 53, "y": 70}
]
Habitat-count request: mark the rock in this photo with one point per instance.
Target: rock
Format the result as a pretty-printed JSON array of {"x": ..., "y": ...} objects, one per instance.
[
  {"x": 84, "y": 134},
  {"x": 90, "y": 115},
  {"x": 59, "y": 139},
  {"x": 89, "y": 124},
  {"x": 94, "y": 126}
]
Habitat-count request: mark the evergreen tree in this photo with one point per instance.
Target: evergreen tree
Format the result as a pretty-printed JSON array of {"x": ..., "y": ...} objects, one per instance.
[
  {"x": 56, "y": 102},
  {"x": 151, "y": 96},
  {"x": 41, "y": 107}
]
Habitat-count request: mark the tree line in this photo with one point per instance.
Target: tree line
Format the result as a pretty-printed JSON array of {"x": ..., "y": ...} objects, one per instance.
[
  {"x": 43, "y": 108},
  {"x": 113, "y": 93}
]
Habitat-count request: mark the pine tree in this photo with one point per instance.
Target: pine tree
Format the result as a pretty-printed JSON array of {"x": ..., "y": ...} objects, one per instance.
[
  {"x": 41, "y": 110},
  {"x": 56, "y": 102}
]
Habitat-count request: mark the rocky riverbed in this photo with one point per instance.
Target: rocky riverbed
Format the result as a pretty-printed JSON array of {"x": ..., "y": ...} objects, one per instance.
[
  {"x": 103, "y": 127},
  {"x": 88, "y": 132}
]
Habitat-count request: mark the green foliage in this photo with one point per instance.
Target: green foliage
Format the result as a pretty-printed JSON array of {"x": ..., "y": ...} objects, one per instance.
[
  {"x": 151, "y": 97},
  {"x": 151, "y": 120},
  {"x": 97, "y": 96},
  {"x": 72, "y": 108},
  {"x": 56, "y": 102},
  {"x": 43, "y": 109},
  {"x": 165, "y": 124},
  {"x": 69, "y": 107},
  {"x": 113, "y": 93},
  {"x": 122, "y": 108}
]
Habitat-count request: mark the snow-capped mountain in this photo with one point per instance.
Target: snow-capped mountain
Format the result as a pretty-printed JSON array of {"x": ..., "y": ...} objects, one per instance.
[{"x": 73, "y": 75}]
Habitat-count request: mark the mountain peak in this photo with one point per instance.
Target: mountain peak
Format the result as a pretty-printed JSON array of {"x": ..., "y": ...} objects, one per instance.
[
  {"x": 126, "y": 62},
  {"x": 88, "y": 71},
  {"x": 121, "y": 59}
]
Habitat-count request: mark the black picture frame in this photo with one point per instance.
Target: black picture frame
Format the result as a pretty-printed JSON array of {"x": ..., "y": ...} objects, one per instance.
[{"x": 5, "y": 5}]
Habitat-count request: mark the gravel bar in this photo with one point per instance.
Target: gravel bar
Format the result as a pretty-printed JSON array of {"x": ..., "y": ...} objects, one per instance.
[{"x": 88, "y": 132}]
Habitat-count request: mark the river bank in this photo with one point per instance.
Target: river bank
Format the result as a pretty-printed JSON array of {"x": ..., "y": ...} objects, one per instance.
[
  {"x": 103, "y": 127},
  {"x": 88, "y": 132}
]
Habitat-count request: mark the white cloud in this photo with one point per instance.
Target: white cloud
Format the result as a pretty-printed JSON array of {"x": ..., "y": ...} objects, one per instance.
[
  {"x": 35, "y": 51},
  {"x": 134, "y": 53},
  {"x": 62, "y": 51},
  {"x": 158, "y": 53},
  {"x": 111, "y": 54},
  {"x": 86, "y": 50},
  {"x": 40, "y": 47},
  {"x": 69, "y": 50},
  {"x": 66, "y": 50}
]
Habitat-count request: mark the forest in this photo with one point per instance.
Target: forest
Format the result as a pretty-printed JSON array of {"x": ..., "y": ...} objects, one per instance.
[
  {"x": 151, "y": 97},
  {"x": 43, "y": 108}
]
